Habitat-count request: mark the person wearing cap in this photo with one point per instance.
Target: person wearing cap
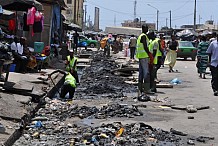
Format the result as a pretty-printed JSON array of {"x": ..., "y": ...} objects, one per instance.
[
  {"x": 108, "y": 46},
  {"x": 71, "y": 65},
  {"x": 69, "y": 84}
]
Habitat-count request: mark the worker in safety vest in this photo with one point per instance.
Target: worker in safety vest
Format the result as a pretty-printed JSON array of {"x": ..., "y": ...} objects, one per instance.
[
  {"x": 69, "y": 84},
  {"x": 71, "y": 65},
  {"x": 143, "y": 54},
  {"x": 154, "y": 48}
]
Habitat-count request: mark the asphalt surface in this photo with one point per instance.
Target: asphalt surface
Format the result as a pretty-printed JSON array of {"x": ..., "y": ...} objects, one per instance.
[{"x": 192, "y": 91}]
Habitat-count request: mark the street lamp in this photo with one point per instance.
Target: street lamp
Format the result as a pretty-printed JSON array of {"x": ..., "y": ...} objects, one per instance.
[{"x": 157, "y": 13}]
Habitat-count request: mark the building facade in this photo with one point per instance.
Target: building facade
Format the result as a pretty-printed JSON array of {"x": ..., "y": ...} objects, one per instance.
[
  {"x": 138, "y": 24},
  {"x": 74, "y": 12}
]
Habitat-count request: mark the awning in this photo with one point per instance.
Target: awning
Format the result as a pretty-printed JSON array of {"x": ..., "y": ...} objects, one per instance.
[
  {"x": 20, "y": 5},
  {"x": 75, "y": 27},
  {"x": 7, "y": 15}
]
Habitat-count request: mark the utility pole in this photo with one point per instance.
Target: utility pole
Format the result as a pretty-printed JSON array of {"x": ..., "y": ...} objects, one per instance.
[
  {"x": 170, "y": 19},
  {"x": 157, "y": 18},
  {"x": 166, "y": 22},
  {"x": 157, "y": 14},
  {"x": 74, "y": 14},
  {"x": 115, "y": 20},
  {"x": 135, "y": 3},
  {"x": 85, "y": 16},
  {"x": 195, "y": 15}
]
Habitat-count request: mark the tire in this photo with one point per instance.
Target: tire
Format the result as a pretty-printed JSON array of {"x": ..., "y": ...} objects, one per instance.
[
  {"x": 193, "y": 58},
  {"x": 185, "y": 58},
  {"x": 92, "y": 45}
]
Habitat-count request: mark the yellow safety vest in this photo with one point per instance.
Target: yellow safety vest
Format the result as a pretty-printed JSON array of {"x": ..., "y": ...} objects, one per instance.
[
  {"x": 151, "y": 49},
  {"x": 140, "y": 52},
  {"x": 69, "y": 79},
  {"x": 72, "y": 62}
]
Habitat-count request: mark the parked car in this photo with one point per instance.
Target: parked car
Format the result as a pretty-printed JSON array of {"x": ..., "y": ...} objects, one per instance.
[
  {"x": 186, "y": 49},
  {"x": 90, "y": 43}
]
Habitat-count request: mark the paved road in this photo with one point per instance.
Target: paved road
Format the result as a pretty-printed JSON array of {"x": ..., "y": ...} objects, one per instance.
[{"x": 194, "y": 91}]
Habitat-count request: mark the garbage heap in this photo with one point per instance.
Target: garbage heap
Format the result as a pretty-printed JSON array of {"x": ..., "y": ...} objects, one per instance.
[
  {"x": 99, "y": 80},
  {"x": 49, "y": 128}
]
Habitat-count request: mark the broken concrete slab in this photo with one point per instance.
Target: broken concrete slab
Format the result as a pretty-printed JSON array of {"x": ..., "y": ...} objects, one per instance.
[
  {"x": 22, "y": 99},
  {"x": 21, "y": 86},
  {"x": 9, "y": 108}
]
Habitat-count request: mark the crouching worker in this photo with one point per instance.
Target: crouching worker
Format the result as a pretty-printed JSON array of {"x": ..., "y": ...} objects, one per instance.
[{"x": 69, "y": 85}]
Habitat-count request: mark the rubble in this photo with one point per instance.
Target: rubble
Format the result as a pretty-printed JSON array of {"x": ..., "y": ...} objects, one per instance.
[{"x": 99, "y": 79}]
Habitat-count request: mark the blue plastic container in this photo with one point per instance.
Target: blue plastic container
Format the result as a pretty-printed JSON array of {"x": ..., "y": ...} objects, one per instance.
[
  {"x": 38, "y": 47},
  {"x": 12, "y": 68}
]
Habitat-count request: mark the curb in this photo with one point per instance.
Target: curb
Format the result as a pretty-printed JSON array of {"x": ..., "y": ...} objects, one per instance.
[{"x": 27, "y": 118}]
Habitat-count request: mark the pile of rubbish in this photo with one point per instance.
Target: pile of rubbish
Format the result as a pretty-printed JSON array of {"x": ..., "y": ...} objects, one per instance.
[
  {"x": 135, "y": 134},
  {"x": 62, "y": 110},
  {"x": 99, "y": 79}
]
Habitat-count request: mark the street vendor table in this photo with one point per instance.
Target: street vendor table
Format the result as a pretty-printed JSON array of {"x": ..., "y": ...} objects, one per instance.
[{"x": 8, "y": 64}]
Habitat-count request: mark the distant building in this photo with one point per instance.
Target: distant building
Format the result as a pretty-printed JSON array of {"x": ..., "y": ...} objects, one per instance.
[
  {"x": 210, "y": 25},
  {"x": 71, "y": 10},
  {"x": 138, "y": 24}
]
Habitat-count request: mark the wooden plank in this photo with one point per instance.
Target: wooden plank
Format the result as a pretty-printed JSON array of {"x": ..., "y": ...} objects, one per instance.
[
  {"x": 162, "y": 85},
  {"x": 85, "y": 55},
  {"x": 83, "y": 60},
  {"x": 82, "y": 65}
]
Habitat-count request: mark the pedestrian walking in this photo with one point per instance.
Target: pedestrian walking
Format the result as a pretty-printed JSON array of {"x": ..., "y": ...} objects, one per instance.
[
  {"x": 108, "y": 45},
  {"x": 132, "y": 46},
  {"x": 163, "y": 48},
  {"x": 75, "y": 40},
  {"x": 202, "y": 57},
  {"x": 171, "y": 53},
  {"x": 143, "y": 55},
  {"x": 213, "y": 62}
]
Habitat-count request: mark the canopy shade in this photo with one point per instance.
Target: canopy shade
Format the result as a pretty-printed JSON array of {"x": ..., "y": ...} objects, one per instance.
[
  {"x": 75, "y": 27},
  {"x": 7, "y": 15},
  {"x": 20, "y": 5}
]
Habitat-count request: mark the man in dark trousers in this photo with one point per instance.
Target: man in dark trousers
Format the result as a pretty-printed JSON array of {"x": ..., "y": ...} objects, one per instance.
[
  {"x": 75, "y": 40},
  {"x": 69, "y": 84},
  {"x": 144, "y": 56},
  {"x": 213, "y": 62}
]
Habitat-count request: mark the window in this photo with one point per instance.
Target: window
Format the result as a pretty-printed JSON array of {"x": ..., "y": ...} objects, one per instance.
[{"x": 69, "y": 1}]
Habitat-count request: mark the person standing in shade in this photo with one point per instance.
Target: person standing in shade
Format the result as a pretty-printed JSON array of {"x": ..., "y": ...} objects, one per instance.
[
  {"x": 143, "y": 54},
  {"x": 132, "y": 46},
  {"x": 75, "y": 40},
  {"x": 213, "y": 62},
  {"x": 71, "y": 65},
  {"x": 172, "y": 53},
  {"x": 202, "y": 57}
]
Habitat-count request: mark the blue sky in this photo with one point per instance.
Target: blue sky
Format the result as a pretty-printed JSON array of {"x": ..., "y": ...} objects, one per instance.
[{"x": 182, "y": 11}]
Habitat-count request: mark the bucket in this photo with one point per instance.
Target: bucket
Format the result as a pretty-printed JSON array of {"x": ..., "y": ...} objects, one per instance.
[{"x": 12, "y": 68}]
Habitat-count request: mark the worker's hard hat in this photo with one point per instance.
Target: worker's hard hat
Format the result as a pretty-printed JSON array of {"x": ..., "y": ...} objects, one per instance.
[{"x": 71, "y": 51}]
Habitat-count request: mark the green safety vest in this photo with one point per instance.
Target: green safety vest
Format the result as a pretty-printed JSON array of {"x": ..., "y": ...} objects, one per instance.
[
  {"x": 151, "y": 49},
  {"x": 72, "y": 62},
  {"x": 69, "y": 79},
  {"x": 140, "y": 52}
]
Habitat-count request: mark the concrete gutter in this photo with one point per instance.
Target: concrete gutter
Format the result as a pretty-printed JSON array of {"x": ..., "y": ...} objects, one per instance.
[{"x": 27, "y": 118}]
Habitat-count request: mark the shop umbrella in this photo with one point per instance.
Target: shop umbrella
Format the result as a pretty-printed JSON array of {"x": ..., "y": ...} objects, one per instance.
[
  {"x": 7, "y": 15},
  {"x": 20, "y": 5}
]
